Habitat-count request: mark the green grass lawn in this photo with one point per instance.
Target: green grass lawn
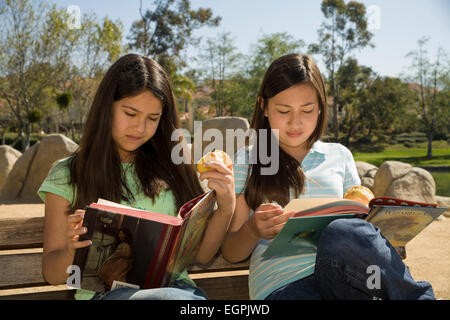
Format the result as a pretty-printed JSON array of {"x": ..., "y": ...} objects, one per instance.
[
  {"x": 415, "y": 156},
  {"x": 442, "y": 180}
]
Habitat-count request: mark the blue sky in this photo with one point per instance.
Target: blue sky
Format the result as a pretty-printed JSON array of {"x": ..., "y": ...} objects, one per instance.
[{"x": 401, "y": 24}]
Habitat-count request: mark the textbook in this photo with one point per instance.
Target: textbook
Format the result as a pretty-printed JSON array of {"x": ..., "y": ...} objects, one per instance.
[
  {"x": 399, "y": 221},
  {"x": 137, "y": 248}
]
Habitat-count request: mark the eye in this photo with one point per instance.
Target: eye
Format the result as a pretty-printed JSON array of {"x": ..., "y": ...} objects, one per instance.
[
  {"x": 130, "y": 114},
  {"x": 283, "y": 112},
  {"x": 308, "y": 111},
  {"x": 154, "y": 119}
]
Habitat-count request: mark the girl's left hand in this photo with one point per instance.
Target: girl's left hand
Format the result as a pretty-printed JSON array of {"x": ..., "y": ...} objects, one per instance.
[{"x": 221, "y": 179}]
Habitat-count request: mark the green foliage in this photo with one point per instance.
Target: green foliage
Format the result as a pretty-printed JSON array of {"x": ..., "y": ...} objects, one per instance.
[
  {"x": 432, "y": 96},
  {"x": 34, "y": 116},
  {"x": 166, "y": 29},
  {"x": 343, "y": 31},
  {"x": 63, "y": 100}
]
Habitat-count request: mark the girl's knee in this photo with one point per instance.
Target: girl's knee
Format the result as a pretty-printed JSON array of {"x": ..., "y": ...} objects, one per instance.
[{"x": 347, "y": 234}]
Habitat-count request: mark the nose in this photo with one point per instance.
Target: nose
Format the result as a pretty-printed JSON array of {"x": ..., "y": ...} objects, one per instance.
[
  {"x": 140, "y": 125},
  {"x": 296, "y": 118}
]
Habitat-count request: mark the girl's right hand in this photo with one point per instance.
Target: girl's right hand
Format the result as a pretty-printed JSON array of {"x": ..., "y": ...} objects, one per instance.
[
  {"x": 75, "y": 229},
  {"x": 268, "y": 220}
]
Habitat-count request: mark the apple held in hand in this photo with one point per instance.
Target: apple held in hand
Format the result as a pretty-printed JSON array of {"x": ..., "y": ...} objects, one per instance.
[
  {"x": 360, "y": 194},
  {"x": 217, "y": 155}
]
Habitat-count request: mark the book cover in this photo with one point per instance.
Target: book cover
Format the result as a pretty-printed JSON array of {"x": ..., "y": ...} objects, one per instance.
[
  {"x": 132, "y": 247},
  {"x": 399, "y": 221}
]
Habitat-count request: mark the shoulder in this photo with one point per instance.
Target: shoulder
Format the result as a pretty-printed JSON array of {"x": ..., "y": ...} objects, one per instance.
[
  {"x": 241, "y": 164},
  {"x": 58, "y": 180},
  {"x": 332, "y": 149},
  {"x": 60, "y": 168},
  {"x": 242, "y": 156}
]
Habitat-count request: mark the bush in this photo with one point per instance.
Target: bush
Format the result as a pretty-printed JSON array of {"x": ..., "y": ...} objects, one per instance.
[{"x": 410, "y": 138}]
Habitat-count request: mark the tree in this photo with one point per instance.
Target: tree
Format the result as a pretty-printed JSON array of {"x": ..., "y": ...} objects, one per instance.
[
  {"x": 162, "y": 33},
  {"x": 342, "y": 33},
  {"x": 99, "y": 44},
  {"x": 223, "y": 60},
  {"x": 432, "y": 79},
  {"x": 242, "y": 85},
  {"x": 270, "y": 47},
  {"x": 184, "y": 88},
  {"x": 41, "y": 57},
  {"x": 371, "y": 104},
  {"x": 36, "y": 45}
]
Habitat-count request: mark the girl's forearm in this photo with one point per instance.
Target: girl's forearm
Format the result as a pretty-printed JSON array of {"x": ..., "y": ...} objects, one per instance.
[
  {"x": 214, "y": 235},
  {"x": 54, "y": 266},
  {"x": 238, "y": 245}
]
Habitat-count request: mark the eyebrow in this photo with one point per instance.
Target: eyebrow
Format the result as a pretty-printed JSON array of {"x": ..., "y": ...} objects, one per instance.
[
  {"x": 286, "y": 105},
  {"x": 136, "y": 110}
]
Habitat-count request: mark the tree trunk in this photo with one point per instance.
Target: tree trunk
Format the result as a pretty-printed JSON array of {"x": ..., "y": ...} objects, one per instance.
[{"x": 430, "y": 145}]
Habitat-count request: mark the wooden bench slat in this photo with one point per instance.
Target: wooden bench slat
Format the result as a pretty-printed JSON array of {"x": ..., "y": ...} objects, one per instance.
[
  {"x": 21, "y": 232},
  {"x": 48, "y": 292},
  {"x": 225, "y": 288},
  {"x": 21, "y": 269}
]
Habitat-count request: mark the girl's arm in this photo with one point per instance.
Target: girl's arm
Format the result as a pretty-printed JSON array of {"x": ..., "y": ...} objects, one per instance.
[
  {"x": 222, "y": 181},
  {"x": 245, "y": 230},
  {"x": 60, "y": 238}
]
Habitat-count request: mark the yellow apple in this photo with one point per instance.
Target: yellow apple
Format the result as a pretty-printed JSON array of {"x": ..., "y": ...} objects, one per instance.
[
  {"x": 360, "y": 194},
  {"x": 217, "y": 155}
]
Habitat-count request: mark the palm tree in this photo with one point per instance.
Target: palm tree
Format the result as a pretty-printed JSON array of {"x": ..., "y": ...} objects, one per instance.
[{"x": 184, "y": 88}]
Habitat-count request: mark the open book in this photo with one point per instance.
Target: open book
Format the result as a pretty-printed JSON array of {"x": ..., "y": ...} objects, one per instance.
[
  {"x": 138, "y": 248},
  {"x": 399, "y": 221}
]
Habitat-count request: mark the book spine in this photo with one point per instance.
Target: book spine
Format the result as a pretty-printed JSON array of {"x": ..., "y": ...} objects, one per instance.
[{"x": 173, "y": 254}]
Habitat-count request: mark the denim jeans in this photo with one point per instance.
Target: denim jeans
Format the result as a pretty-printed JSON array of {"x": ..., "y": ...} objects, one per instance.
[
  {"x": 346, "y": 250},
  {"x": 180, "y": 290}
]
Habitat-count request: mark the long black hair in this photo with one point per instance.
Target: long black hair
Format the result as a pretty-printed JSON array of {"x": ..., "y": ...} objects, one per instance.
[{"x": 95, "y": 168}]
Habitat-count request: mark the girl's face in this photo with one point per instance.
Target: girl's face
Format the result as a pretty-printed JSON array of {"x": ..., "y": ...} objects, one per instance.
[
  {"x": 294, "y": 112},
  {"x": 135, "y": 120}
]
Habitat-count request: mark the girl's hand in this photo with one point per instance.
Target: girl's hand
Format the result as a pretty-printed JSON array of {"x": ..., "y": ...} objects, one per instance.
[
  {"x": 221, "y": 179},
  {"x": 268, "y": 220},
  {"x": 75, "y": 229}
]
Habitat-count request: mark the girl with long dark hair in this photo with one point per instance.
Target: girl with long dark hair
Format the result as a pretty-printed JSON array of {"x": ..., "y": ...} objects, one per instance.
[
  {"x": 292, "y": 105},
  {"x": 125, "y": 156}
]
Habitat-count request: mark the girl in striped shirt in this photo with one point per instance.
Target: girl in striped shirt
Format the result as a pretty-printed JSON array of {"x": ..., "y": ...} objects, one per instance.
[{"x": 292, "y": 105}]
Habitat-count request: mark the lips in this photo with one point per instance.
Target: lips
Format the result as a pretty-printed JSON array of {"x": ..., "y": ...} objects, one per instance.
[
  {"x": 294, "y": 134},
  {"x": 133, "y": 138}
]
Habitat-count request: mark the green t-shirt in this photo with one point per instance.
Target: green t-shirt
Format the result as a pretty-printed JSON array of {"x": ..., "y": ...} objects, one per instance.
[{"x": 57, "y": 182}]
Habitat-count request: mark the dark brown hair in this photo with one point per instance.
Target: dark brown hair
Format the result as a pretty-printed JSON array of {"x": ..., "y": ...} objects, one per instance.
[
  {"x": 283, "y": 73},
  {"x": 95, "y": 168}
]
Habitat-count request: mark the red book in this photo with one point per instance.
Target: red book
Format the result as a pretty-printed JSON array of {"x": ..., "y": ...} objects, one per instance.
[{"x": 137, "y": 248}]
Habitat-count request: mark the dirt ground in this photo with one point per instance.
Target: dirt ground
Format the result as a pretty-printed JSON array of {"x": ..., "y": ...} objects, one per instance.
[{"x": 428, "y": 254}]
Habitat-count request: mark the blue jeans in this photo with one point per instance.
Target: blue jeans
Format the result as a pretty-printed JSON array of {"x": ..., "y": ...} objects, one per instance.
[
  {"x": 180, "y": 290},
  {"x": 347, "y": 247}
]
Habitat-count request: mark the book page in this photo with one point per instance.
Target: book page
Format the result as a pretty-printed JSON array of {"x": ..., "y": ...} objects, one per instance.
[
  {"x": 298, "y": 205},
  {"x": 114, "y": 204}
]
